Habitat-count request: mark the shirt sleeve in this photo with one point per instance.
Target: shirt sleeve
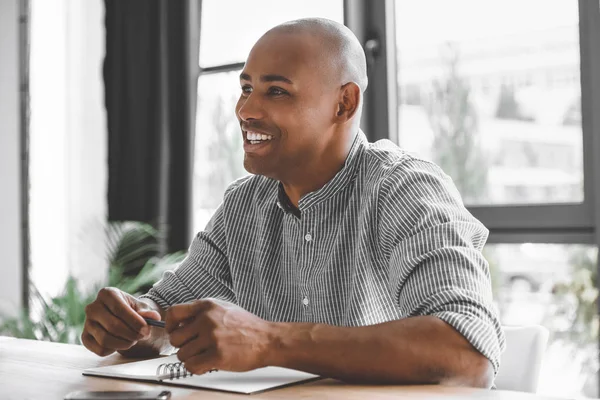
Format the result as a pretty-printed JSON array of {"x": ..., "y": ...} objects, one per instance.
[
  {"x": 203, "y": 273},
  {"x": 434, "y": 245}
]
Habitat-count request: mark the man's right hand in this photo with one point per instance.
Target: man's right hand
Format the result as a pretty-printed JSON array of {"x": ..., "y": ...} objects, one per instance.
[{"x": 115, "y": 321}]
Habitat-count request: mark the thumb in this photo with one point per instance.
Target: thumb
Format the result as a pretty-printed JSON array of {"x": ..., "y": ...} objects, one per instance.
[
  {"x": 146, "y": 310},
  {"x": 151, "y": 314},
  {"x": 179, "y": 313}
]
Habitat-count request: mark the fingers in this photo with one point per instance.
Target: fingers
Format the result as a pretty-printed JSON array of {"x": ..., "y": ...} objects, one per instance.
[
  {"x": 202, "y": 363},
  {"x": 100, "y": 314},
  {"x": 108, "y": 339},
  {"x": 147, "y": 308},
  {"x": 122, "y": 310},
  {"x": 90, "y": 343},
  {"x": 194, "y": 347},
  {"x": 180, "y": 313},
  {"x": 112, "y": 324},
  {"x": 152, "y": 314},
  {"x": 188, "y": 330}
]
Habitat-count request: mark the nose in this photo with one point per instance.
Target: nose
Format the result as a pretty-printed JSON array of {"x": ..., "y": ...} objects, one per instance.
[{"x": 249, "y": 108}]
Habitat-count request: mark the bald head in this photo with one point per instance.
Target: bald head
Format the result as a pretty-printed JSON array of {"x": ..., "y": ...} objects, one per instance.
[{"x": 341, "y": 55}]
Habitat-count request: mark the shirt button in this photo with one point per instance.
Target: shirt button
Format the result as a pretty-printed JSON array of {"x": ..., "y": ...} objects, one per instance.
[
  {"x": 308, "y": 237},
  {"x": 305, "y": 301}
]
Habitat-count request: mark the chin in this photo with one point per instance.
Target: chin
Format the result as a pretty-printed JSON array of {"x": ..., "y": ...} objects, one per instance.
[
  {"x": 257, "y": 168},
  {"x": 252, "y": 166}
]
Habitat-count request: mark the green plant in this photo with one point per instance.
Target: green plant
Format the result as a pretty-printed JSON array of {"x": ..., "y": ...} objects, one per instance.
[
  {"x": 134, "y": 264},
  {"x": 575, "y": 304},
  {"x": 577, "y": 298}
]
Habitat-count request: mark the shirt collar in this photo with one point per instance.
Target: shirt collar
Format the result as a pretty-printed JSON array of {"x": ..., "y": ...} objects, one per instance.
[
  {"x": 338, "y": 182},
  {"x": 284, "y": 202}
]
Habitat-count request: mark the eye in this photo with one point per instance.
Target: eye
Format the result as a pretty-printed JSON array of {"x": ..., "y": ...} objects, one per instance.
[
  {"x": 246, "y": 90},
  {"x": 275, "y": 91}
]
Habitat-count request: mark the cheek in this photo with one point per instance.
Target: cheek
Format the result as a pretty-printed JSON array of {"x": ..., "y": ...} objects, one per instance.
[
  {"x": 302, "y": 117},
  {"x": 315, "y": 121},
  {"x": 301, "y": 123}
]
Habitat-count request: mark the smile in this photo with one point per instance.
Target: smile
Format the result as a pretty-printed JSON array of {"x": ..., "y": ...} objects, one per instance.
[
  {"x": 257, "y": 143},
  {"x": 256, "y": 138}
]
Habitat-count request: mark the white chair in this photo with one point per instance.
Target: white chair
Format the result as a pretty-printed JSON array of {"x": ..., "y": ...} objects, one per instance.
[{"x": 521, "y": 362}]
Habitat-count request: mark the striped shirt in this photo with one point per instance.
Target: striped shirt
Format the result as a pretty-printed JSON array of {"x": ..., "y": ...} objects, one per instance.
[{"x": 387, "y": 238}]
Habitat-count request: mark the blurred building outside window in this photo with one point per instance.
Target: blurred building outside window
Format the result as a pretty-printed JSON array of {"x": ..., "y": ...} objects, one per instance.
[{"x": 491, "y": 92}]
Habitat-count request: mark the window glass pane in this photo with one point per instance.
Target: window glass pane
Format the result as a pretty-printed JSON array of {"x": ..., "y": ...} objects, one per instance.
[
  {"x": 219, "y": 153},
  {"x": 491, "y": 92},
  {"x": 230, "y": 28},
  {"x": 554, "y": 286}
]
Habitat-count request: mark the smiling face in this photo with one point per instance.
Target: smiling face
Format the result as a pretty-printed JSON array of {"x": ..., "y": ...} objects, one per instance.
[{"x": 287, "y": 105}]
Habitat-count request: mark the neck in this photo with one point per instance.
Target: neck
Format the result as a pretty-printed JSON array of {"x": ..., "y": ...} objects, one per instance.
[{"x": 320, "y": 172}]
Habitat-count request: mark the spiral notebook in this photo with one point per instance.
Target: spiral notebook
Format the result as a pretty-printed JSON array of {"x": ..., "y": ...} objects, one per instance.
[{"x": 168, "y": 370}]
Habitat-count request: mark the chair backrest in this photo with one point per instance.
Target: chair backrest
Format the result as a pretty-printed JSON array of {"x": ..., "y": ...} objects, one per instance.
[{"x": 521, "y": 362}]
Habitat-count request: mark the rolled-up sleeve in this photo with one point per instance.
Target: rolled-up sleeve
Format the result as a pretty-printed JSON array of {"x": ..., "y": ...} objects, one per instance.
[
  {"x": 203, "y": 273},
  {"x": 436, "y": 266}
]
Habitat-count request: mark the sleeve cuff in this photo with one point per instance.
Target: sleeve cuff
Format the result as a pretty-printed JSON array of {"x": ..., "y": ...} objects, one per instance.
[
  {"x": 486, "y": 336},
  {"x": 152, "y": 295}
]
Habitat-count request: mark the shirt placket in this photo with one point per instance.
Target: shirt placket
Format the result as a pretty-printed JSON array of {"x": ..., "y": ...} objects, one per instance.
[{"x": 307, "y": 242}]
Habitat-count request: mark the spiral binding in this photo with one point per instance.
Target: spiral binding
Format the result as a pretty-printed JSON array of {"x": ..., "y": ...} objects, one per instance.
[{"x": 175, "y": 370}]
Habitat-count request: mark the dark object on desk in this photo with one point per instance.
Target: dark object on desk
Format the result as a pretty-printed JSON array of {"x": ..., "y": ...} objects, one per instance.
[
  {"x": 120, "y": 395},
  {"x": 153, "y": 322}
]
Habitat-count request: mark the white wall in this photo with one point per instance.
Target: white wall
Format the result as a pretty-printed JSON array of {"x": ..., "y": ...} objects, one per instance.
[
  {"x": 68, "y": 146},
  {"x": 10, "y": 196}
]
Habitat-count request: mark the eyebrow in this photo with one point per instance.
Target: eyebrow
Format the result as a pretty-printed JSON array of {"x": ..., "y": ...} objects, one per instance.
[{"x": 267, "y": 78}]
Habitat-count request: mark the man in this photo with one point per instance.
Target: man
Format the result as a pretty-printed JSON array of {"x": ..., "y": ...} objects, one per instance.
[{"x": 339, "y": 257}]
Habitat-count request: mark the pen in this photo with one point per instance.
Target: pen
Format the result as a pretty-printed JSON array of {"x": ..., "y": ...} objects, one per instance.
[{"x": 153, "y": 322}]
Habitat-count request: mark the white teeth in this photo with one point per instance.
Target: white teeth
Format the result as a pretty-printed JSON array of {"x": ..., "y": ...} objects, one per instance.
[{"x": 257, "y": 137}]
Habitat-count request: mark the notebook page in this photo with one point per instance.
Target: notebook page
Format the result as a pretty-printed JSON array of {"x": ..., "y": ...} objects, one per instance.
[
  {"x": 254, "y": 381},
  {"x": 144, "y": 370},
  {"x": 239, "y": 382}
]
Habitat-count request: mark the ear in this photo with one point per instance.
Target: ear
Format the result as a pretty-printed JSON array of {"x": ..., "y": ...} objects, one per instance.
[{"x": 348, "y": 101}]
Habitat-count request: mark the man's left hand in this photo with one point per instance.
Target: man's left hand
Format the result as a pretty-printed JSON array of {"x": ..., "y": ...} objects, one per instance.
[{"x": 214, "y": 334}]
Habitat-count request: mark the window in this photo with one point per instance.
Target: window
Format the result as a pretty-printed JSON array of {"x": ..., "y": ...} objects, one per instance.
[
  {"x": 497, "y": 94},
  {"x": 68, "y": 145},
  {"x": 229, "y": 29},
  {"x": 492, "y": 102},
  {"x": 218, "y": 146},
  {"x": 554, "y": 286},
  {"x": 498, "y": 106}
]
